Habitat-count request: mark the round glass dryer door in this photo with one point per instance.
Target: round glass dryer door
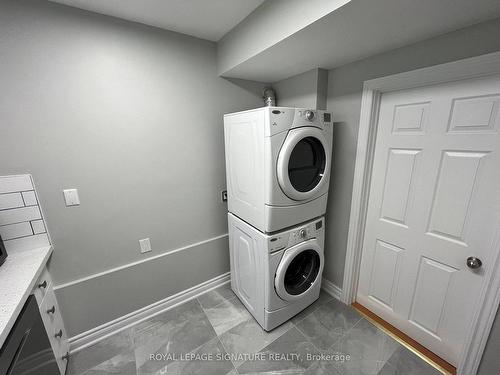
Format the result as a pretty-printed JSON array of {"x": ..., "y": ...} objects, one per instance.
[
  {"x": 306, "y": 165},
  {"x": 299, "y": 270},
  {"x": 303, "y": 163}
]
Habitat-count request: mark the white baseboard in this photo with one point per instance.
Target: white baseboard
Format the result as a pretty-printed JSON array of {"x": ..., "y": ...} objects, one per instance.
[
  {"x": 94, "y": 335},
  {"x": 331, "y": 289}
]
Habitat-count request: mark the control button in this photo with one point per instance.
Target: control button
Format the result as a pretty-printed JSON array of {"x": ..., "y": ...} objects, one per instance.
[{"x": 309, "y": 115}]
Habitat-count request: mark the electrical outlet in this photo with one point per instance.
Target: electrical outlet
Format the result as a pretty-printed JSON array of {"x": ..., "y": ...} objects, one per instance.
[
  {"x": 223, "y": 195},
  {"x": 145, "y": 245}
]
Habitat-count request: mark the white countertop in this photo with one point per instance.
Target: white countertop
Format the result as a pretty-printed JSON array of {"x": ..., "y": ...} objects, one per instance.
[{"x": 18, "y": 276}]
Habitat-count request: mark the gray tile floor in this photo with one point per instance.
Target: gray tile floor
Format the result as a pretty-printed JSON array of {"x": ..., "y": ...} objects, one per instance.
[{"x": 215, "y": 335}]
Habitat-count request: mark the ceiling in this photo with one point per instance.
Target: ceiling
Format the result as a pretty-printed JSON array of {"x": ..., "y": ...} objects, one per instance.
[
  {"x": 272, "y": 40},
  {"x": 357, "y": 30},
  {"x": 206, "y": 19}
]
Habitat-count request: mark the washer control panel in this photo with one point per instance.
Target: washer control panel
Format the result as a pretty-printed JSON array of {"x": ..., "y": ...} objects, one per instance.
[
  {"x": 278, "y": 242},
  {"x": 301, "y": 235},
  {"x": 292, "y": 237}
]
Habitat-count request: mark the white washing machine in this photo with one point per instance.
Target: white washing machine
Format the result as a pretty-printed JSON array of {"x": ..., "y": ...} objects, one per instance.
[
  {"x": 276, "y": 276},
  {"x": 278, "y": 165}
]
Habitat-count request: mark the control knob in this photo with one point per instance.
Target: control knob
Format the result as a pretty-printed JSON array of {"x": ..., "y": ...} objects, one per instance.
[
  {"x": 303, "y": 233},
  {"x": 309, "y": 115}
]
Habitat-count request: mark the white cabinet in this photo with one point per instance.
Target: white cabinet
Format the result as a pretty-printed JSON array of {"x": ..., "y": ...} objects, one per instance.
[{"x": 52, "y": 319}]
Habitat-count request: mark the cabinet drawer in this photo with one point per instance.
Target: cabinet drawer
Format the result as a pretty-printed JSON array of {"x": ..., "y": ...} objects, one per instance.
[
  {"x": 42, "y": 286},
  {"x": 51, "y": 316}
]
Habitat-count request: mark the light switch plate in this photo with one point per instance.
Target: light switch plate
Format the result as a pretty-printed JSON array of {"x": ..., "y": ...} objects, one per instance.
[
  {"x": 145, "y": 244},
  {"x": 71, "y": 197}
]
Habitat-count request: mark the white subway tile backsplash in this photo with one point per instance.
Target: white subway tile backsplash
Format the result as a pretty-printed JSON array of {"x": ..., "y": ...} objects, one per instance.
[
  {"x": 22, "y": 226},
  {"x": 11, "y": 200},
  {"x": 29, "y": 198},
  {"x": 12, "y": 231},
  {"x": 12, "y": 184},
  {"x": 26, "y": 243},
  {"x": 18, "y": 215},
  {"x": 38, "y": 226}
]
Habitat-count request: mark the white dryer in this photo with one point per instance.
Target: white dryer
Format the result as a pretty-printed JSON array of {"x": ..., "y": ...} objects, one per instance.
[
  {"x": 278, "y": 162},
  {"x": 276, "y": 276}
]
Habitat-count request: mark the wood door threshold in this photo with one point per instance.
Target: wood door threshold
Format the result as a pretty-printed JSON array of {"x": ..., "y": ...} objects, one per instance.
[{"x": 405, "y": 340}]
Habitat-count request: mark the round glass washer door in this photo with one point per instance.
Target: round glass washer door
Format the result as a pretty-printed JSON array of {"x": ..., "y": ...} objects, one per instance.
[
  {"x": 303, "y": 163},
  {"x": 299, "y": 270}
]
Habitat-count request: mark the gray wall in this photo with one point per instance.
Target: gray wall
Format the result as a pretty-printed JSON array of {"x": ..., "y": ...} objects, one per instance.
[
  {"x": 306, "y": 90},
  {"x": 345, "y": 86},
  {"x": 132, "y": 117}
]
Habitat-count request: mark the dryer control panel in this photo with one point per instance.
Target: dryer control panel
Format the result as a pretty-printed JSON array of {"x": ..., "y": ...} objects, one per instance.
[
  {"x": 299, "y": 234},
  {"x": 312, "y": 117},
  {"x": 285, "y": 118}
]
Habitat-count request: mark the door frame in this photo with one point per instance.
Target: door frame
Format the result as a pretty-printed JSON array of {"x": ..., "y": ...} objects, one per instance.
[{"x": 470, "y": 68}]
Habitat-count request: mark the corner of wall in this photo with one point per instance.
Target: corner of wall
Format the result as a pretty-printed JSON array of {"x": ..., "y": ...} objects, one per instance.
[
  {"x": 321, "y": 88},
  {"x": 332, "y": 289},
  {"x": 306, "y": 90}
]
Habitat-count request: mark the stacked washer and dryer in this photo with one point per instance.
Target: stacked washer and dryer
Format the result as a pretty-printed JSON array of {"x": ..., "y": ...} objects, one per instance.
[{"x": 278, "y": 171}]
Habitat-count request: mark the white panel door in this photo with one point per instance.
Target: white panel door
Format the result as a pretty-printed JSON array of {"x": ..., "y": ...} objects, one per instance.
[{"x": 434, "y": 202}]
